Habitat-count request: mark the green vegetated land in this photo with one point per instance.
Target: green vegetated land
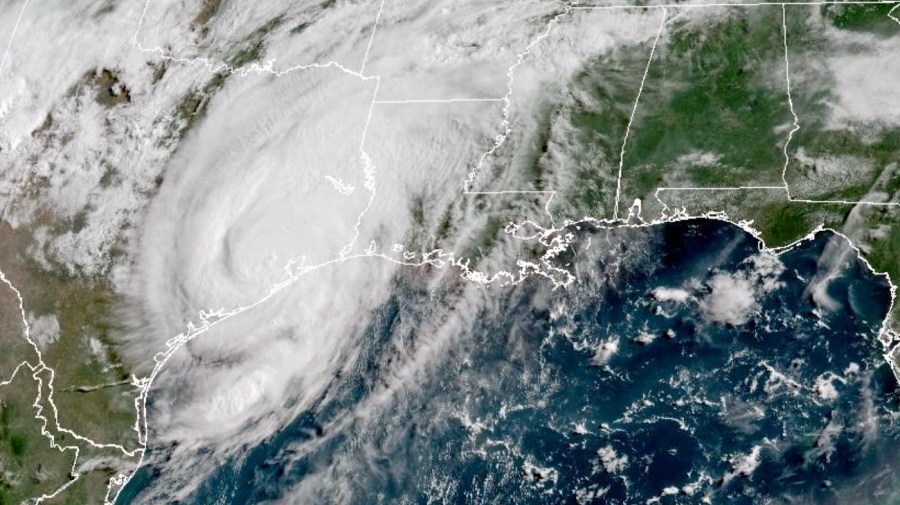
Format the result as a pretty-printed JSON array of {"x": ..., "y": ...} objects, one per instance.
[
  {"x": 92, "y": 386},
  {"x": 854, "y": 160},
  {"x": 29, "y": 466},
  {"x": 867, "y": 18},
  {"x": 92, "y": 389},
  {"x": 12, "y": 335},
  {"x": 714, "y": 113},
  {"x": 597, "y": 115}
]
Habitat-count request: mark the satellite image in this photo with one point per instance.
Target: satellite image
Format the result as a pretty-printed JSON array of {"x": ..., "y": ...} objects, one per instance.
[{"x": 435, "y": 252}]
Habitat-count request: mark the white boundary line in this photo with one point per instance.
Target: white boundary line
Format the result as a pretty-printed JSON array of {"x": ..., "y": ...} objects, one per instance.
[
  {"x": 12, "y": 35},
  {"x": 362, "y": 68},
  {"x": 42, "y": 367},
  {"x": 507, "y": 100},
  {"x": 437, "y": 100},
  {"x": 634, "y": 108},
  {"x": 211, "y": 318},
  {"x": 796, "y": 123},
  {"x": 723, "y": 188},
  {"x": 438, "y": 258},
  {"x": 725, "y": 4},
  {"x": 253, "y": 68},
  {"x": 790, "y": 97},
  {"x": 36, "y": 370}
]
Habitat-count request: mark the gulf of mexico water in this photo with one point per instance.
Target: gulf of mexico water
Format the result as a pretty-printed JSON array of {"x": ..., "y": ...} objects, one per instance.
[{"x": 683, "y": 365}]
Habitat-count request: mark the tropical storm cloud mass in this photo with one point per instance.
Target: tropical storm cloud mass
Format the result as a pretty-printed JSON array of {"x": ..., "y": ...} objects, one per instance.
[{"x": 382, "y": 251}]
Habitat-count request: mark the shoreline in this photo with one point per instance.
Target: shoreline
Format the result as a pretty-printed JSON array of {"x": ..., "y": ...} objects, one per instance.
[{"x": 887, "y": 336}]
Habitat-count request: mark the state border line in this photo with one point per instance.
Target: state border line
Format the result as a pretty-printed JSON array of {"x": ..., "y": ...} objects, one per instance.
[
  {"x": 575, "y": 7},
  {"x": 730, "y": 4},
  {"x": 796, "y": 124}
]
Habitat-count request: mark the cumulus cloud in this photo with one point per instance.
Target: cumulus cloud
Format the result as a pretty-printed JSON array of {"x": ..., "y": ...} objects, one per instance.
[
  {"x": 44, "y": 329},
  {"x": 743, "y": 465},
  {"x": 264, "y": 182},
  {"x": 733, "y": 298},
  {"x": 610, "y": 461},
  {"x": 825, "y": 388},
  {"x": 277, "y": 179},
  {"x": 861, "y": 98},
  {"x": 605, "y": 351},
  {"x": 676, "y": 295}
]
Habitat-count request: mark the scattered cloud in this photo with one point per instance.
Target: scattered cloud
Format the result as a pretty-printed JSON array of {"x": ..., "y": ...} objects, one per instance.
[
  {"x": 733, "y": 298},
  {"x": 610, "y": 461}
]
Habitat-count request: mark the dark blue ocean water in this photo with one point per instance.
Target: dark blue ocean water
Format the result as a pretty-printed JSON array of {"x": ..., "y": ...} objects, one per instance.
[{"x": 601, "y": 393}]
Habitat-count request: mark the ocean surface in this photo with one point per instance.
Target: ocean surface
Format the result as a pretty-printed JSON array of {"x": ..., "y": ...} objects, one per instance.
[{"x": 683, "y": 365}]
